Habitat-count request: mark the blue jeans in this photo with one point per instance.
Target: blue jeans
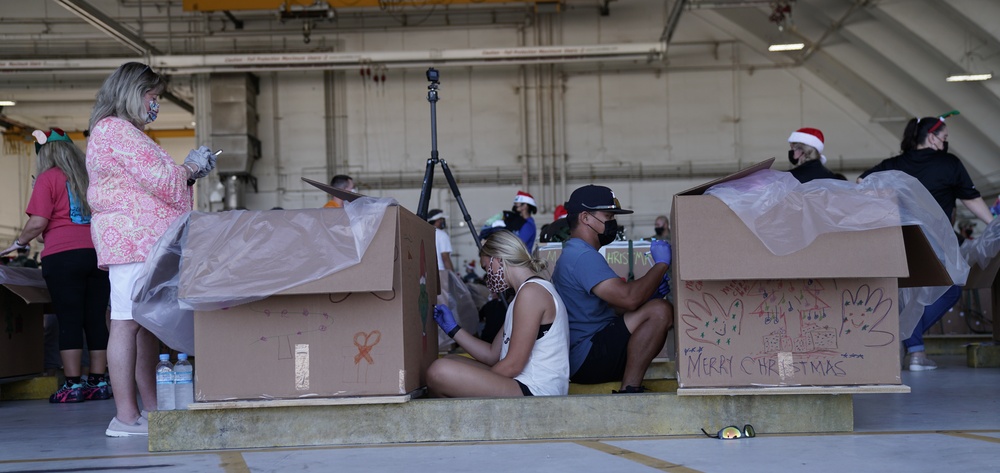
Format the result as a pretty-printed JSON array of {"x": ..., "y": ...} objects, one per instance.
[{"x": 932, "y": 314}]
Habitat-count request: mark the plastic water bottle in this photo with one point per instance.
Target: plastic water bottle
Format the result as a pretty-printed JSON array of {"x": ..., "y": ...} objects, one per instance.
[
  {"x": 164, "y": 384},
  {"x": 183, "y": 382}
]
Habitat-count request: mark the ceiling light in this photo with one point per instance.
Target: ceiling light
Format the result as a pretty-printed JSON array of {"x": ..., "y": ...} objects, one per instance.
[
  {"x": 969, "y": 77},
  {"x": 786, "y": 47},
  {"x": 7, "y": 103}
]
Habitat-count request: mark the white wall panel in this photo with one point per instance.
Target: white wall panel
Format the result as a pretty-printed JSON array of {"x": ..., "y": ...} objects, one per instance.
[{"x": 701, "y": 116}]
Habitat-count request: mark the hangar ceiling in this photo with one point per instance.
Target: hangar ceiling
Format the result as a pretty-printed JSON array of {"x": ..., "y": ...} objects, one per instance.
[{"x": 890, "y": 58}]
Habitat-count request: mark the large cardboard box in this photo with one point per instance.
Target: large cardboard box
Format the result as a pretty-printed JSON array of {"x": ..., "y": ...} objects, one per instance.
[
  {"x": 365, "y": 330},
  {"x": 22, "y": 313},
  {"x": 825, "y": 315}
]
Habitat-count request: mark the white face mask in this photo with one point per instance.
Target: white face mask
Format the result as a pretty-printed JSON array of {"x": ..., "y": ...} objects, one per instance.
[{"x": 154, "y": 108}]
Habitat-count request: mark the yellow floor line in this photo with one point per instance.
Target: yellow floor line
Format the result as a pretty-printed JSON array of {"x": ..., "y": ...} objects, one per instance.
[
  {"x": 636, "y": 457},
  {"x": 966, "y": 435},
  {"x": 233, "y": 462}
]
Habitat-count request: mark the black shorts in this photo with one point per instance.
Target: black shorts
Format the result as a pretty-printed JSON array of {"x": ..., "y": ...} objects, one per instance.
[
  {"x": 524, "y": 389},
  {"x": 606, "y": 360}
]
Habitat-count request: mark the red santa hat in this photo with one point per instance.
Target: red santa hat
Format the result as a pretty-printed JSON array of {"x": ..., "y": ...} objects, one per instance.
[
  {"x": 525, "y": 198},
  {"x": 811, "y": 137}
]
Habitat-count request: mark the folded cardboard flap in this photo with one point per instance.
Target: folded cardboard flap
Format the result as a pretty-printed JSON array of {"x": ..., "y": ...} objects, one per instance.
[
  {"x": 339, "y": 193},
  {"x": 699, "y": 190},
  {"x": 30, "y": 294},
  {"x": 925, "y": 267}
]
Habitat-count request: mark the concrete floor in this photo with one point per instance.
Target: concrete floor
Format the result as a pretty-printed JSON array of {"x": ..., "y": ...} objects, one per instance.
[{"x": 950, "y": 422}]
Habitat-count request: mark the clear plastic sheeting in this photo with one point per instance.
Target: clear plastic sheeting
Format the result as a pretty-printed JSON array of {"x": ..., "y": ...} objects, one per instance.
[
  {"x": 456, "y": 295},
  {"x": 16, "y": 276},
  {"x": 244, "y": 256},
  {"x": 787, "y": 216},
  {"x": 984, "y": 248}
]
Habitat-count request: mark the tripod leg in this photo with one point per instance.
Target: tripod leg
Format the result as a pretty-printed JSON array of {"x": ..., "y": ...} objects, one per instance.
[
  {"x": 461, "y": 203},
  {"x": 425, "y": 188}
]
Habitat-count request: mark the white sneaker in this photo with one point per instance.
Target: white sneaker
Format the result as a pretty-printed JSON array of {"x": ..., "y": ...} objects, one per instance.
[
  {"x": 920, "y": 363},
  {"x": 118, "y": 428}
]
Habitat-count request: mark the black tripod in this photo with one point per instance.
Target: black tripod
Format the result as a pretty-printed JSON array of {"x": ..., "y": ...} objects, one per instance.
[{"x": 425, "y": 189}]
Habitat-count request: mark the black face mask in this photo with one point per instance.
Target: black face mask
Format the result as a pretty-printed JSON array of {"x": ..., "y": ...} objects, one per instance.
[
  {"x": 791, "y": 157},
  {"x": 944, "y": 146},
  {"x": 610, "y": 231},
  {"x": 658, "y": 230}
]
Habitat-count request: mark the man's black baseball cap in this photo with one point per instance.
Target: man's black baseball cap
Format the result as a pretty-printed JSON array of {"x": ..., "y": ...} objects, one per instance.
[{"x": 591, "y": 198}]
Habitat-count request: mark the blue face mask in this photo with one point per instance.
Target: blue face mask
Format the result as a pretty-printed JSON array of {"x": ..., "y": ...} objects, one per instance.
[{"x": 154, "y": 107}]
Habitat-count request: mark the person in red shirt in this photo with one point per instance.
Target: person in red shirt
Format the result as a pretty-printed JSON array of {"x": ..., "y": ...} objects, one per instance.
[{"x": 58, "y": 211}]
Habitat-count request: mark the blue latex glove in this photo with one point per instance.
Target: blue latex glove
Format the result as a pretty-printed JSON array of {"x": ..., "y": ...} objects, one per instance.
[
  {"x": 446, "y": 320},
  {"x": 203, "y": 159},
  {"x": 660, "y": 251}
]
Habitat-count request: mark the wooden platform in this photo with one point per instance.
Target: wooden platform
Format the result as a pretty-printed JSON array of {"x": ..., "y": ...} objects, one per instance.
[{"x": 314, "y": 402}]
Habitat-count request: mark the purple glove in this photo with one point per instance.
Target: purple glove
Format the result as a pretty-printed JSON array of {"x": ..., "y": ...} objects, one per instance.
[
  {"x": 660, "y": 251},
  {"x": 445, "y": 320}
]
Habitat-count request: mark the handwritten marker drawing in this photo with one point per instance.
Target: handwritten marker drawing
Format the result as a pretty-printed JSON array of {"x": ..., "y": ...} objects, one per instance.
[
  {"x": 365, "y": 361},
  {"x": 708, "y": 322},
  {"x": 286, "y": 340},
  {"x": 797, "y": 315},
  {"x": 423, "y": 300},
  {"x": 864, "y": 311}
]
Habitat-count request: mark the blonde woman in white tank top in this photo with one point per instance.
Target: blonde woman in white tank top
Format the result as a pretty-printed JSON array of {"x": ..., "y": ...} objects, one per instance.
[{"x": 531, "y": 355}]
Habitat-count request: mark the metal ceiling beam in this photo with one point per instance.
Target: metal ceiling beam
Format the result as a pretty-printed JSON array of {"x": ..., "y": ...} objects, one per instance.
[
  {"x": 834, "y": 27},
  {"x": 178, "y": 65},
  {"x": 673, "y": 20},
  {"x": 109, "y": 26},
  {"x": 237, "y": 5}
]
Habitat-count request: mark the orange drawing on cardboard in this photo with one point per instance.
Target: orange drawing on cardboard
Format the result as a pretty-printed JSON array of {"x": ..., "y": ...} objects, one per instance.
[{"x": 365, "y": 342}]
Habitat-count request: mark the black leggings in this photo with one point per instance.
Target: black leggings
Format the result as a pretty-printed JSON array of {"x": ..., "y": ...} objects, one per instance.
[{"x": 80, "y": 293}]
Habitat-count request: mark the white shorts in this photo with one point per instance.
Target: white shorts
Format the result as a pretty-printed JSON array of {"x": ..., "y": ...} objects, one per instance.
[{"x": 123, "y": 278}]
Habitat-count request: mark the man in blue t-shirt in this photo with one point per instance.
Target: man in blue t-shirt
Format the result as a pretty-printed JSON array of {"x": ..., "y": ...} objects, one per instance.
[{"x": 616, "y": 327}]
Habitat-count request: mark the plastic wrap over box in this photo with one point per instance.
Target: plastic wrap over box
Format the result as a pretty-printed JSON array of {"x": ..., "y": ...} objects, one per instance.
[{"x": 826, "y": 314}]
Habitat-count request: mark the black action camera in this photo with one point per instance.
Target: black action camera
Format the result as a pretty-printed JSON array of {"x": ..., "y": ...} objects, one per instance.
[{"x": 432, "y": 75}]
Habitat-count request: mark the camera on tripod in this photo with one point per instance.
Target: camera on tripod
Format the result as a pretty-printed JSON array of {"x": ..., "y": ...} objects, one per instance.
[{"x": 425, "y": 189}]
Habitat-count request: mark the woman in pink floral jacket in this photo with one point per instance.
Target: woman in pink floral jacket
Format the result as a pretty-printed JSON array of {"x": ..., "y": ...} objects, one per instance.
[{"x": 136, "y": 192}]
